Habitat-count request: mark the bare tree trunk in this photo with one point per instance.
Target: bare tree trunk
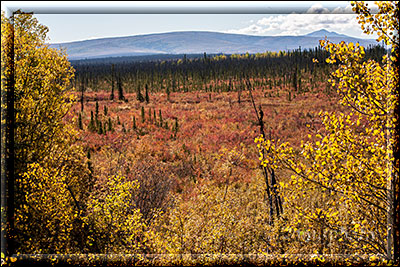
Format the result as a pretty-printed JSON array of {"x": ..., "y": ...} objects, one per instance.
[{"x": 272, "y": 192}]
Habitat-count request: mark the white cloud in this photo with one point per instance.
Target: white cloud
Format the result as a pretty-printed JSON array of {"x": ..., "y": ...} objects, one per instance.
[
  {"x": 252, "y": 29},
  {"x": 341, "y": 10},
  {"x": 317, "y": 17},
  {"x": 318, "y": 9}
]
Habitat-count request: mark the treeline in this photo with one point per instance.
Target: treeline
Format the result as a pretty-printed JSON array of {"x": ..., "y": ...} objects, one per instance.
[
  {"x": 137, "y": 58},
  {"x": 217, "y": 73}
]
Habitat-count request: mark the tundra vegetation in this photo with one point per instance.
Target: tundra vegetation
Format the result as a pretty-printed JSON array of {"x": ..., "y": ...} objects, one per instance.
[{"x": 266, "y": 158}]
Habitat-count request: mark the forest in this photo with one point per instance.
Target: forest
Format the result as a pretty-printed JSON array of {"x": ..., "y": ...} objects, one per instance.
[{"x": 286, "y": 157}]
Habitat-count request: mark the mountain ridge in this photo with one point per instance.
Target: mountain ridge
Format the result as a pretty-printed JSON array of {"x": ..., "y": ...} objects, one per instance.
[{"x": 194, "y": 42}]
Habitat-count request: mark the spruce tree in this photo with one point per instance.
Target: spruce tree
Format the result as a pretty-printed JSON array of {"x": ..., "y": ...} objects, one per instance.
[
  {"x": 173, "y": 85},
  {"x": 295, "y": 79},
  {"x": 147, "y": 94},
  {"x": 168, "y": 92},
  {"x": 176, "y": 127},
  {"x": 112, "y": 82},
  {"x": 139, "y": 95},
  {"x": 143, "y": 115},
  {"x": 82, "y": 92},
  {"x": 120, "y": 90},
  {"x": 97, "y": 110},
  {"x": 92, "y": 126},
  {"x": 99, "y": 128},
  {"x": 134, "y": 123},
  {"x": 299, "y": 84},
  {"x": 109, "y": 124}
]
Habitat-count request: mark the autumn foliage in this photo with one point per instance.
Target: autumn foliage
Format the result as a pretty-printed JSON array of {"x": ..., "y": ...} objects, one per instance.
[{"x": 341, "y": 185}]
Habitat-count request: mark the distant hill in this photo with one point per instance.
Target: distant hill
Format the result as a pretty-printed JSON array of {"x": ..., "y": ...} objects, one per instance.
[
  {"x": 195, "y": 42},
  {"x": 322, "y": 33}
]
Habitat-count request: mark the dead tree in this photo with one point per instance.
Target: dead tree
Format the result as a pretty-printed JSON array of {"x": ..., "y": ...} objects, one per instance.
[{"x": 274, "y": 200}]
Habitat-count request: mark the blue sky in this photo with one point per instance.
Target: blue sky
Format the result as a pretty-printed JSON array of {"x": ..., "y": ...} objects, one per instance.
[{"x": 273, "y": 18}]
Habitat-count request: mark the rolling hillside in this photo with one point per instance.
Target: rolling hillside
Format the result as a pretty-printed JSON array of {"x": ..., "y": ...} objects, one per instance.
[{"x": 194, "y": 42}]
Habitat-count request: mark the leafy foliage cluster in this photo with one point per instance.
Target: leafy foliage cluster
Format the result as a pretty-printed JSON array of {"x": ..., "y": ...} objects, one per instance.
[{"x": 343, "y": 182}]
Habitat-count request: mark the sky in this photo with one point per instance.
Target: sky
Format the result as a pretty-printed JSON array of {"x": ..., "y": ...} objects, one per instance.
[{"x": 69, "y": 21}]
